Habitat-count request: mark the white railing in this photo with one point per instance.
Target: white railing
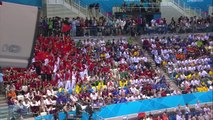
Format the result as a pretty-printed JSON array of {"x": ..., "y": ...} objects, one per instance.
[
  {"x": 79, "y": 5},
  {"x": 186, "y": 8},
  {"x": 85, "y": 7},
  {"x": 73, "y": 3}
]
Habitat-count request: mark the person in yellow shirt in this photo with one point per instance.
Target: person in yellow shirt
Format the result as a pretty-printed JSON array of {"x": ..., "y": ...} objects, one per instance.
[
  {"x": 77, "y": 89},
  {"x": 164, "y": 63},
  {"x": 211, "y": 73},
  {"x": 188, "y": 77},
  {"x": 136, "y": 53},
  {"x": 202, "y": 89},
  {"x": 123, "y": 83},
  {"x": 100, "y": 85}
]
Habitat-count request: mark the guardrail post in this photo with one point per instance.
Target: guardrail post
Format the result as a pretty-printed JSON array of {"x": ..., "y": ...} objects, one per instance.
[
  {"x": 79, "y": 4},
  {"x": 87, "y": 11}
]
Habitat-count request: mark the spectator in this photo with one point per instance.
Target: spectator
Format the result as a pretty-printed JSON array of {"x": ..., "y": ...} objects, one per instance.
[{"x": 1, "y": 81}]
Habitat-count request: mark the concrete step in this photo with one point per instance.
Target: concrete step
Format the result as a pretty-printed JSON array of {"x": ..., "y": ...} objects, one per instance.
[
  {"x": 149, "y": 56},
  {"x": 3, "y": 101},
  {"x": 3, "y": 116},
  {"x": 2, "y": 97},
  {"x": 3, "y": 105}
]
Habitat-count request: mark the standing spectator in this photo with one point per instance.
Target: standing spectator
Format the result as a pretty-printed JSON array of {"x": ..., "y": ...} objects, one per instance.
[
  {"x": 1, "y": 82},
  {"x": 187, "y": 111},
  {"x": 73, "y": 22},
  {"x": 97, "y": 9},
  {"x": 78, "y": 110},
  {"x": 89, "y": 110},
  {"x": 90, "y": 10}
]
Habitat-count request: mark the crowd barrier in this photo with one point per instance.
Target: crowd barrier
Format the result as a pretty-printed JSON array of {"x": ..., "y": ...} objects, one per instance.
[
  {"x": 62, "y": 116},
  {"x": 163, "y": 29},
  {"x": 127, "y": 108},
  {"x": 46, "y": 117},
  {"x": 153, "y": 104}
]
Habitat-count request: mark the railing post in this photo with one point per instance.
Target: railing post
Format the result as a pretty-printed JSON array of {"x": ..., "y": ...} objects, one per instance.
[
  {"x": 184, "y": 6},
  {"x": 87, "y": 11},
  {"x": 71, "y": 4},
  {"x": 79, "y": 4}
]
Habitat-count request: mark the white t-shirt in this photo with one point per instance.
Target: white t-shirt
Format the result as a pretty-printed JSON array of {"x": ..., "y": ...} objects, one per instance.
[{"x": 94, "y": 96}]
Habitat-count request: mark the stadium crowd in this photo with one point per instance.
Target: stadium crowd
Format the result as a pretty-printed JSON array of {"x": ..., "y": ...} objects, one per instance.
[
  {"x": 66, "y": 75},
  {"x": 195, "y": 112},
  {"x": 123, "y": 26},
  {"x": 188, "y": 61},
  {"x": 65, "y": 72}
]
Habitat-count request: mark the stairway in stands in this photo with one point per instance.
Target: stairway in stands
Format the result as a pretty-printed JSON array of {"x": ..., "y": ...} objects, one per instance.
[
  {"x": 172, "y": 85},
  {"x": 65, "y": 8},
  {"x": 4, "y": 109}
]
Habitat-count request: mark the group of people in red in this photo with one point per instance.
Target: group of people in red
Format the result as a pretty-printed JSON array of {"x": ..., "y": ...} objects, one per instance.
[{"x": 99, "y": 71}]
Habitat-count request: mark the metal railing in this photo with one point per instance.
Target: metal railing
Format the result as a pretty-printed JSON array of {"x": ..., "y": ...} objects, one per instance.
[
  {"x": 83, "y": 7},
  {"x": 17, "y": 113},
  {"x": 80, "y": 6},
  {"x": 189, "y": 10}
]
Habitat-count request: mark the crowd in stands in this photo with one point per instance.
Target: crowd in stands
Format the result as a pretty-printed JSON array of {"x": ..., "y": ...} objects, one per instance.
[
  {"x": 123, "y": 26},
  {"x": 194, "y": 112},
  {"x": 188, "y": 61},
  {"x": 142, "y": 7},
  {"x": 65, "y": 72}
]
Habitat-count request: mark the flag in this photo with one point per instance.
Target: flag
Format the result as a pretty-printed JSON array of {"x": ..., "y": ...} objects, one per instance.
[{"x": 65, "y": 28}]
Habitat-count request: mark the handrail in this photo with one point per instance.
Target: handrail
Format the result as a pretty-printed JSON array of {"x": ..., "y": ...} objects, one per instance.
[
  {"x": 84, "y": 7},
  {"x": 185, "y": 7}
]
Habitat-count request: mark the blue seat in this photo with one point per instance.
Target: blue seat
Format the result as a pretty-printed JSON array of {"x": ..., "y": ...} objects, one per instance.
[
  {"x": 62, "y": 115},
  {"x": 172, "y": 117},
  {"x": 46, "y": 117}
]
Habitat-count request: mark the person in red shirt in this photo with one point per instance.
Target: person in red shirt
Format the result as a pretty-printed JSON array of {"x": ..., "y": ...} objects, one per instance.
[
  {"x": 165, "y": 116},
  {"x": 18, "y": 86}
]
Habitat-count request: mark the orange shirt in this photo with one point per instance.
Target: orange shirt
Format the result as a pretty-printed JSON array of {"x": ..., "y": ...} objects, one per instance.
[{"x": 12, "y": 94}]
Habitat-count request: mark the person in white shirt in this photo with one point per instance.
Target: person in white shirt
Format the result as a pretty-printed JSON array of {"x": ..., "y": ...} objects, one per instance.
[
  {"x": 73, "y": 97},
  {"x": 34, "y": 103},
  {"x": 198, "y": 106},
  {"x": 158, "y": 61},
  {"x": 94, "y": 96},
  {"x": 26, "y": 103},
  {"x": 48, "y": 101},
  {"x": 50, "y": 92},
  {"x": 203, "y": 73}
]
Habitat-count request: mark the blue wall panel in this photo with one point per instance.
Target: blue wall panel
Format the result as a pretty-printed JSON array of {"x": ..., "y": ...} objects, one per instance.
[
  {"x": 25, "y": 2},
  {"x": 141, "y": 106},
  {"x": 154, "y": 104},
  {"x": 106, "y": 5}
]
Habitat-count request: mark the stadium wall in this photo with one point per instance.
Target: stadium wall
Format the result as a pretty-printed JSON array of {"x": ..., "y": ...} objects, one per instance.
[
  {"x": 154, "y": 104},
  {"x": 18, "y": 24}
]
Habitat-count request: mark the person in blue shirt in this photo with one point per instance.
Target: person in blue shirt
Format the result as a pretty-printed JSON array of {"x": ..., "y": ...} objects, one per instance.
[
  {"x": 123, "y": 100},
  {"x": 1, "y": 82},
  {"x": 115, "y": 91},
  {"x": 116, "y": 99}
]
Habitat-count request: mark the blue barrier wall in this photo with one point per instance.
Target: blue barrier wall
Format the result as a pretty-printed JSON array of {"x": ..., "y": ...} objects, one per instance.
[
  {"x": 141, "y": 106},
  {"x": 25, "y": 2},
  {"x": 154, "y": 104},
  {"x": 107, "y": 5}
]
